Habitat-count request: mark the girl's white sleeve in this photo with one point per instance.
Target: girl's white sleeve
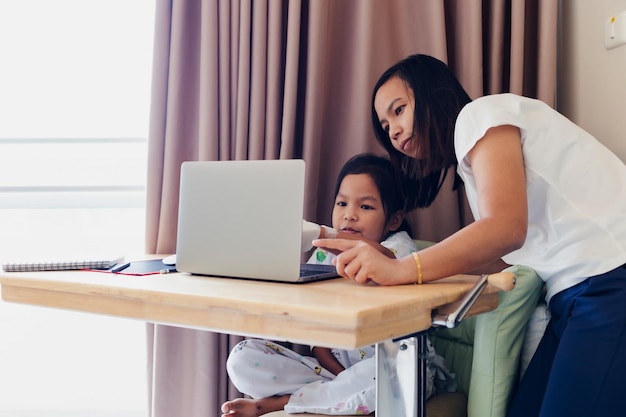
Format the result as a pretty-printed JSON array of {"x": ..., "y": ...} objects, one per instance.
[
  {"x": 321, "y": 257},
  {"x": 400, "y": 244}
]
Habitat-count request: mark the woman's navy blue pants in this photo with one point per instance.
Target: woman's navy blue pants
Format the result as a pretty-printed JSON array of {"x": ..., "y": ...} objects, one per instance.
[{"x": 579, "y": 368}]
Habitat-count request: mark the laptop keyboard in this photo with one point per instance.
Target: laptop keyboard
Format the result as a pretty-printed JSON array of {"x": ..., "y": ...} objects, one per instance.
[{"x": 308, "y": 270}]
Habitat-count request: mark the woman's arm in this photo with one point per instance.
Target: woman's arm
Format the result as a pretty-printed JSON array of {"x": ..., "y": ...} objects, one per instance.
[
  {"x": 312, "y": 231},
  {"x": 376, "y": 245},
  {"x": 498, "y": 167},
  {"x": 326, "y": 359}
]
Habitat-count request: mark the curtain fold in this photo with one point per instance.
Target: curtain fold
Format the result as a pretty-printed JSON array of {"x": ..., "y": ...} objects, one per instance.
[{"x": 269, "y": 79}]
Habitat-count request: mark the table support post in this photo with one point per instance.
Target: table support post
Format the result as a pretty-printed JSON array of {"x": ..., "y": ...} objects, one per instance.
[{"x": 401, "y": 377}]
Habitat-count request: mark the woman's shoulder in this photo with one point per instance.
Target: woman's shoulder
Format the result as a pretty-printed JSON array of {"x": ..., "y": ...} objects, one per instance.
[
  {"x": 486, "y": 112},
  {"x": 502, "y": 102},
  {"x": 509, "y": 104}
]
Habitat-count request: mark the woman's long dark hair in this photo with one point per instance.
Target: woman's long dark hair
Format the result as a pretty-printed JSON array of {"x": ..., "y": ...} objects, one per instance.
[
  {"x": 439, "y": 97},
  {"x": 381, "y": 171}
]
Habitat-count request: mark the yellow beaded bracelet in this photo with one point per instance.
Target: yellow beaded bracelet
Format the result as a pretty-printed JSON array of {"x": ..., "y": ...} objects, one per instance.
[{"x": 418, "y": 262}]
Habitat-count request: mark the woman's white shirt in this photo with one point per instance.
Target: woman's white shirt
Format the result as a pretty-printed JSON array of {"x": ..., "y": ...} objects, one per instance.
[{"x": 576, "y": 189}]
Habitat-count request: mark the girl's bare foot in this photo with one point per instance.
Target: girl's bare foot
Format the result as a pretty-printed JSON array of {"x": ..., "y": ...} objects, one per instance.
[
  {"x": 241, "y": 407},
  {"x": 245, "y": 407}
]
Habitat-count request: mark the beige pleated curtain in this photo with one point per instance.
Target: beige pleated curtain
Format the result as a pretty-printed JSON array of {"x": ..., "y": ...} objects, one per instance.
[{"x": 282, "y": 79}]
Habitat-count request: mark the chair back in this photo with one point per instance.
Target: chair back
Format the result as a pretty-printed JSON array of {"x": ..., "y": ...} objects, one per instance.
[{"x": 484, "y": 351}]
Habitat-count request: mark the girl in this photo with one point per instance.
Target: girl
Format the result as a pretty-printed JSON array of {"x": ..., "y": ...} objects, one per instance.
[
  {"x": 543, "y": 192},
  {"x": 368, "y": 206}
]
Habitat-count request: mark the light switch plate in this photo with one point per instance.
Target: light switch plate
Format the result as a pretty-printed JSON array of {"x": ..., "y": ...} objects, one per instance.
[{"x": 615, "y": 30}]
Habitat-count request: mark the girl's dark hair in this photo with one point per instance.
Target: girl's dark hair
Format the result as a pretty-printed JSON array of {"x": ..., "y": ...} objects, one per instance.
[
  {"x": 439, "y": 97},
  {"x": 382, "y": 173}
]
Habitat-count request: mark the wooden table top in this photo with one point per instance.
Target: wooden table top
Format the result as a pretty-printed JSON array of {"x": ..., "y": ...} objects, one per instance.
[{"x": 336, "y": 313}]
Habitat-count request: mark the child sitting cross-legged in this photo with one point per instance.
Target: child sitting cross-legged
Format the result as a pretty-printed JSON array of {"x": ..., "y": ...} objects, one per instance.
[{"x": 369, "y": 206}]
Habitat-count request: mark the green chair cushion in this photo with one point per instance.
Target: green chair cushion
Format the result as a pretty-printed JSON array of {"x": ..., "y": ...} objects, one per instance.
[
  {"x": 484, "y": 351},
  {"x": 457, "y": 347},
  {"x": 498, "y": 345}
]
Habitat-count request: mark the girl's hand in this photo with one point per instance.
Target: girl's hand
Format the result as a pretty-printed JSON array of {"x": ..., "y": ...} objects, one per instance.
[{"x": 359, "y": 261}]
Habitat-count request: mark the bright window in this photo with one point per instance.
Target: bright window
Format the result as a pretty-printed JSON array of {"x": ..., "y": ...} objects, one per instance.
[{"x": 74, "y": 106}]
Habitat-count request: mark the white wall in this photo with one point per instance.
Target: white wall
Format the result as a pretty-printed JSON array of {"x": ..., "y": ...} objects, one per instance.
[{"x": 592, "y": 80}]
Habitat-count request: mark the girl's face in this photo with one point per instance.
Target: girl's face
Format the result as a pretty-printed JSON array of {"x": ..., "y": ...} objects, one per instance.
[
  {"x": 358, "y": 209},
  {"x": 394, "y": 104}
]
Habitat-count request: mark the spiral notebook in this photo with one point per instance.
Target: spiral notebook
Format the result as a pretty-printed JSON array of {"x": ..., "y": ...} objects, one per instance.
[{"x": 62, "y": 264}]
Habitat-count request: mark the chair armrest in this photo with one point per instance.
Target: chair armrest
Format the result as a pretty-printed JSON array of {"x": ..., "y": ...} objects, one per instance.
[{"x": 505, "y": 281}]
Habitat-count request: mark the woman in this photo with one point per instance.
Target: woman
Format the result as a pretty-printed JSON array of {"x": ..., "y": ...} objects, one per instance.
[{"x": 543, "y": 192}]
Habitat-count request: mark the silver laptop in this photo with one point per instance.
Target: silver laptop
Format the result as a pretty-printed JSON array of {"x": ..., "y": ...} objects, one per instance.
[{"x": 243, "y": 219}]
